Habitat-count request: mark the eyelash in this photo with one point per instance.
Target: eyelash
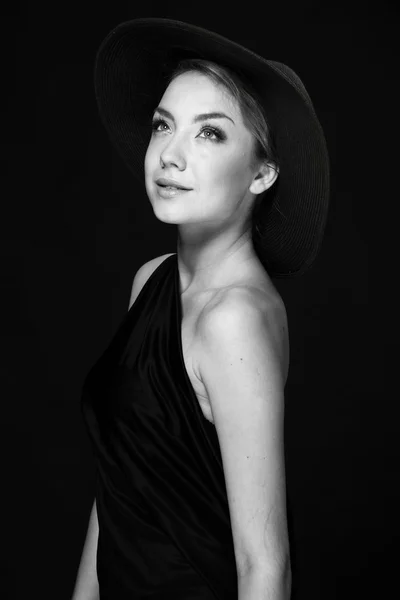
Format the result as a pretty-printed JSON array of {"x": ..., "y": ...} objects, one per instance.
[{"x": 219, "y": 135}]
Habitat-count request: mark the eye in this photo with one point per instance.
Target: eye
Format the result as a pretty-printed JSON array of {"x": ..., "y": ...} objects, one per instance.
[
  {"x": 213, "y": 133},
  {"x": 155, "y": 126}
]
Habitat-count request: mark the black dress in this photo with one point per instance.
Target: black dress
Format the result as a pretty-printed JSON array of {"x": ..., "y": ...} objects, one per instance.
[{"x": 164, "y": 523}]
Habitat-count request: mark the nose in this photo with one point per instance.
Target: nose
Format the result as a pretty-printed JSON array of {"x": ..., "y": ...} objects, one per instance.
[{"x": 173, "y": 155}]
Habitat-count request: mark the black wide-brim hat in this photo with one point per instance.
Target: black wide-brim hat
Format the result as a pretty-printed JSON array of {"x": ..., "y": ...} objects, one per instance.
[{"x": 132, "y": 67}]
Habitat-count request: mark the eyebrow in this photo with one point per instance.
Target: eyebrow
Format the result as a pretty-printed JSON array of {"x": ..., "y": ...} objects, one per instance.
[{"x": 197, "y": 118}]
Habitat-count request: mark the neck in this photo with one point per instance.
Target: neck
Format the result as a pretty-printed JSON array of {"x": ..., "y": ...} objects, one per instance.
[{"x": 205, "y": 264}]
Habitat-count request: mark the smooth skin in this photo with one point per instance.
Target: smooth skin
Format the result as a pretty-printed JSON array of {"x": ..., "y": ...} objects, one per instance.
[
  {"x": 242, "y": 332},
  {"x": 213, "y": 157},
  {"x": 242, "y": 356}
]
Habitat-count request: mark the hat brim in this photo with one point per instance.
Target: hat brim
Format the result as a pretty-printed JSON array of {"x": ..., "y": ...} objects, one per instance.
[{"x": 131, "y": 70}]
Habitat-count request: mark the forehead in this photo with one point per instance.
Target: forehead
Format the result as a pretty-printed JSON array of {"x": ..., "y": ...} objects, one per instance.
[{"x": 194, "y": 91}]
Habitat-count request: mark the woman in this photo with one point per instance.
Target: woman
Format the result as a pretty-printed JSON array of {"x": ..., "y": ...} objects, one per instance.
[{"x": 185, "y": 408}]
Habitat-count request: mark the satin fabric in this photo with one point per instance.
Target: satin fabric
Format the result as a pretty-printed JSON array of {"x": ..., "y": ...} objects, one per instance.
[{"x": 164, "y": 524}]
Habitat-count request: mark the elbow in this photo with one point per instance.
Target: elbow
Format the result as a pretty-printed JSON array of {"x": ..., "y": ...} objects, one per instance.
[
  {"x": 274, "y": 579},
  {"x": 281, "y": 576},
  {"x": 287, "y": 580}
]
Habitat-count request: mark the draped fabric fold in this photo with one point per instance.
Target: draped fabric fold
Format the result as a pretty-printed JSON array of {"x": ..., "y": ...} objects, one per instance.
[{"x": 164, "y": 524}]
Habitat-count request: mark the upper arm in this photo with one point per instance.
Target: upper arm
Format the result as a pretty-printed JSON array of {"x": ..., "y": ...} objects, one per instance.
[
  {"x": 142, "y": 275},
  {"x": 242, "y": 370}
]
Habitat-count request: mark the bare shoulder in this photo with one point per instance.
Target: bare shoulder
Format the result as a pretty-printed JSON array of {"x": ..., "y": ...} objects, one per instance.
[
  {"x": 258, "y": 311},
  {"x": 247, "y": 299},
  {"x": 242, "y": 365},
  {"x": 143, "y": 274}
]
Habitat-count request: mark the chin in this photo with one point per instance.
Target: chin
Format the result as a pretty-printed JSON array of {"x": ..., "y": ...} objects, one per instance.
[{"x": 162, "y": 210}]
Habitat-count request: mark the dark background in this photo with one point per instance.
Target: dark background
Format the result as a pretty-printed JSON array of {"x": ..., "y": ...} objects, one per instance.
[{"x": 75, "y": 227}]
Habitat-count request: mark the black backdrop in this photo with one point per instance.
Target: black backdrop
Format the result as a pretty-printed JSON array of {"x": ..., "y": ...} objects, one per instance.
[{"x": 75, "y": 228}]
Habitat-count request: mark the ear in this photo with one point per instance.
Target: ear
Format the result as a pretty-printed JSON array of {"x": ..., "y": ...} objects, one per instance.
[{"x": 264, "y": 178}]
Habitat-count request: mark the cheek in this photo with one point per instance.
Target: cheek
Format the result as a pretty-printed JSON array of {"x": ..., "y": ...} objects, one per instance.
[
  {"x": 148, "y": 160},
  {"x": 149, "y": 167},
  {"x": 230, "y": 171},
  {"x": 151, "y": 163}
]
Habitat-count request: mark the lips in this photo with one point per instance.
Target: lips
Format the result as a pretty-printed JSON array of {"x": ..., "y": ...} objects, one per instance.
[
  {"x": 170, "y": 184},
  {"x": 171, "y": 187}
]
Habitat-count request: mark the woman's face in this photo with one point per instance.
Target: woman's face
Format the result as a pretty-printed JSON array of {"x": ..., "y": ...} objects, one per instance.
[{"x": 211, "y": 155}]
